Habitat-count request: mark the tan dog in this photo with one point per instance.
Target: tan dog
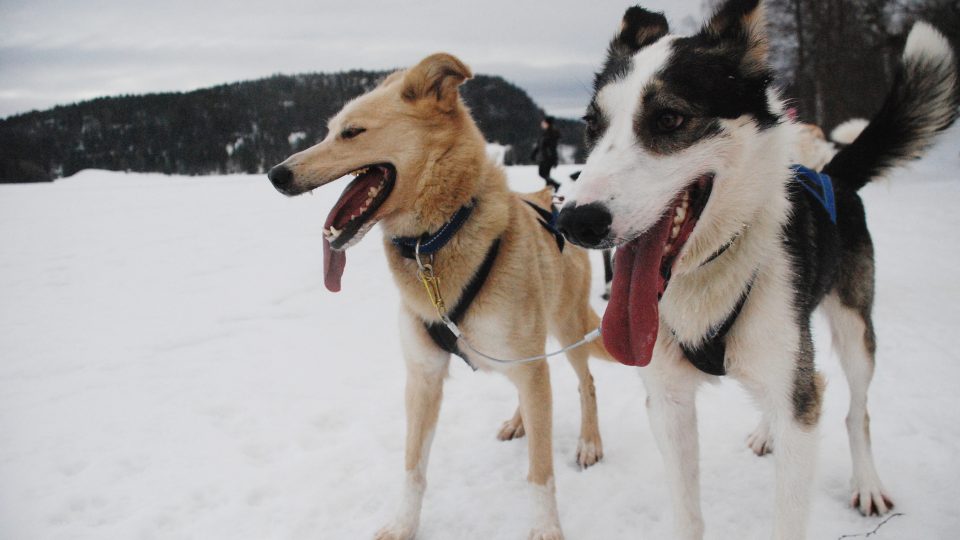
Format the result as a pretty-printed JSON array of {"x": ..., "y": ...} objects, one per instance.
[{"x": 419, "y": 159}]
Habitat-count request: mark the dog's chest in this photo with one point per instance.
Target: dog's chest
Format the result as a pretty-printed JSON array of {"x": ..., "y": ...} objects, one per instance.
[{"x": 708, "y": 350}]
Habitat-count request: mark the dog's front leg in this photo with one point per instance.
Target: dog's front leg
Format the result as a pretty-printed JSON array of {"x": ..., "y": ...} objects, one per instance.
[
  {"x": 533, "y": 384},
  {"x": 671, "y": 406},
  {"x": 787, "y": 386},
  {"x": 794, "y": 422},
  {"x": 426, "y": 368}
]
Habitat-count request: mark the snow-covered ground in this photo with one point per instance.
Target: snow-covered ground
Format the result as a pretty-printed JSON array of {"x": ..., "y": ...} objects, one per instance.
[{"x": 172, "y": 367}]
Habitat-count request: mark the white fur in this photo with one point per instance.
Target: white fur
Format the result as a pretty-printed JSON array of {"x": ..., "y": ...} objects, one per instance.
[
  {"x": 925, "y": 41},
  {"x": 546, "y": 519},
  {"x": 407, "y": 518},
  {"x": 762, "y": 348},
  {"x": 848, "y": 131}
]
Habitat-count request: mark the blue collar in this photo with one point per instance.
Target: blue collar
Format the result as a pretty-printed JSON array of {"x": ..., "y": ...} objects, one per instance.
[
  {"x": 432, "y": 243},
  {"x": 819, "y": 185}
]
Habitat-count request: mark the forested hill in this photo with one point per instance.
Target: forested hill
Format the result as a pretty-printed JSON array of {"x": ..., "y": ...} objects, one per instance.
[{"x": 240, "y": 127}]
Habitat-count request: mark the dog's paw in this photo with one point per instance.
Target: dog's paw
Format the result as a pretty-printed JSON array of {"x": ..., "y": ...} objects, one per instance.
[
  {"x": 397, "y": 530},
  {"x": 761, "y": 441},
  {"x": 589, "y": 451},
  {"x": 552, "y": 532},
  {"x": 870, "y": 499},
  {"x": 511, "y": 429}
]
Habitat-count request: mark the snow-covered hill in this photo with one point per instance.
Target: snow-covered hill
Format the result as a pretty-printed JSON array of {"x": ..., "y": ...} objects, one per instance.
[{"x": 171, "y": 367}]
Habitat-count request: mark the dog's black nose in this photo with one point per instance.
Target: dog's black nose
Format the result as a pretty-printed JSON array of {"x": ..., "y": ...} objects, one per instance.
[
  {"x": 280, "y": 176},
  {"x": 585, "y": 225}
]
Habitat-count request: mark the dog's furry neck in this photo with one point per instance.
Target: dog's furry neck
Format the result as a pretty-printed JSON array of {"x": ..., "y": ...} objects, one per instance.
[{"x": 450, "y": 178}]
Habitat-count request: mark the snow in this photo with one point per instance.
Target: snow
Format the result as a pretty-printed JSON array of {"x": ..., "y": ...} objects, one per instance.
[
  {"x": 172, "y": 367},
  {"x": 295, "y": 137},
  {"x": 497, "y": 152}
]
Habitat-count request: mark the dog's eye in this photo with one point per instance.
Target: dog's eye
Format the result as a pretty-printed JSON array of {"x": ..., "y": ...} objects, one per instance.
[
  {"x": 351, "y": 132},
  {"x": 669, "y": 121},
  {"x": 593, "y": 125}
]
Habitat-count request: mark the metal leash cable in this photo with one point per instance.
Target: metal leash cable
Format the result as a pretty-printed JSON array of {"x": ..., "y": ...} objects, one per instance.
[{"x": 431, "y": 283}]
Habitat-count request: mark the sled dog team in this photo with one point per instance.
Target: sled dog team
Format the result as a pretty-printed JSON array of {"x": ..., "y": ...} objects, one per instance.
[{"x": 725, "y": 245}]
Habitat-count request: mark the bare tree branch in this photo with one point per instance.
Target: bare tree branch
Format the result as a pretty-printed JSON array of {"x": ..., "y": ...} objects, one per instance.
[{"x": 874, "y": 531}]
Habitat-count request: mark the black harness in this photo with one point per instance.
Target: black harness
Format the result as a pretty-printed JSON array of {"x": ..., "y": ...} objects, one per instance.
[
  {"x": 710, "y": 356},
  {"x": 438, "y": 332}
]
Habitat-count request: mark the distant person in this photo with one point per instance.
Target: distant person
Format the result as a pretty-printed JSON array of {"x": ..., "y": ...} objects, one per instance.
[{"x": 545, "y": 152}]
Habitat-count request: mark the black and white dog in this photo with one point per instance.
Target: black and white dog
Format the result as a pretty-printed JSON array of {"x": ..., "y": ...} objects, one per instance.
[{"x": 723, "y": 253}]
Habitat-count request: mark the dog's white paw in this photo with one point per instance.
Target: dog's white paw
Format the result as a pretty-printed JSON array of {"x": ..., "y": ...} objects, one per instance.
[
  {"x": 870, "y": 498},
  {"x": 589, "y": 451},
  {"x": 398, "y": 530},
  {"x": 761, "y": 441},
  {"x": 511, "y": 429},
  {"x": 552, "y": 532}
]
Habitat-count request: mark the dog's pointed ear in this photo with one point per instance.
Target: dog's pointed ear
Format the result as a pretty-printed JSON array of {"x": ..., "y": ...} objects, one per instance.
[
  {"x": 638, "y": 29},
  {"x": 743, "y": 22},
  {"x": 436, "y": 78}
]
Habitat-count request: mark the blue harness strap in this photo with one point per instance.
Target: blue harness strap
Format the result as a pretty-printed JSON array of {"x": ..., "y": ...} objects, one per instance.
[
  {"x": 431, "y": 243},
  {"x": 548, "y": 219},
  {"x": 819, "y": 185}
]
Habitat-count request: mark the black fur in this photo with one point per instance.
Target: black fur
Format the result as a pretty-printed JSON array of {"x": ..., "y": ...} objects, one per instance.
[
  {"x": 812, "y": 241},
  {"x": 708, "y": 74},
  {"x": 640, "y": 28}
]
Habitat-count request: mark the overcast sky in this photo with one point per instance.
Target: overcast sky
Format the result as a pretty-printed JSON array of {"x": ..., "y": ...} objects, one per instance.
[{"x": 62, "y": 51}]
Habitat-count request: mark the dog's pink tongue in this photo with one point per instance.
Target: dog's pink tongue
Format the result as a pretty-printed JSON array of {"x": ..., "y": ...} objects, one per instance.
[
  {"x": 333, "y": 264},
  {"x": 632, "y": 318}
]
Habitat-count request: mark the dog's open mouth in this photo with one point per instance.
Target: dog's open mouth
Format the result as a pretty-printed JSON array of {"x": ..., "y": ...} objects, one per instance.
[
  {"x": 641, "y": 272},
  {"x": 351, "y": 217}
]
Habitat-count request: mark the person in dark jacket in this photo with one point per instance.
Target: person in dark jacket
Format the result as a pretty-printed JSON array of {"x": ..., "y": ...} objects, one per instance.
[{"x": 545, "y": 153}]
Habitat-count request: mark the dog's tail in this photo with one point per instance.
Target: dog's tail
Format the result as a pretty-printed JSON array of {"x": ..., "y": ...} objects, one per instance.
[{"x": 923, "y": 102}]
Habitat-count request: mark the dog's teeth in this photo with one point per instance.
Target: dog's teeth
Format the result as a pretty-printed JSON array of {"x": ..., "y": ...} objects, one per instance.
[
  {"x": 666, "y": 248},
  {"x": 681, "y": 215},
  {"x": 675, "y": 232},
  {"x": 372, "y": 192}
]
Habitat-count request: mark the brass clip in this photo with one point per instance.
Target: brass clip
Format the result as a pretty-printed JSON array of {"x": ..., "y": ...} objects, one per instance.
[{"x": 431, "y": 283}]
